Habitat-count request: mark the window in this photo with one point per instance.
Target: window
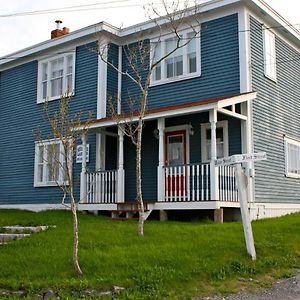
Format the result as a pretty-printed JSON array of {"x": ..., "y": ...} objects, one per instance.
[
  {"x": 222, "y": 140},
  {"x": 56, "y": 77},
  {"x": 182, "y": 64},
  {"x": 49, "y": 163},
  {"x": 292, "y": 157},
  {"x": 269, "y": 54}
]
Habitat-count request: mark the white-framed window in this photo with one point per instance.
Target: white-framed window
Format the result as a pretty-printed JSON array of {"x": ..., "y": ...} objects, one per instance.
[
  {"x": 269, "y": 54},
  {"x": 222, "y": 140},
  {"x": 56, "y": 76},
  {"x": 50, "y": 163},
  {"x": 184, "y": 63},
  {"x": 292, "y": 157}
]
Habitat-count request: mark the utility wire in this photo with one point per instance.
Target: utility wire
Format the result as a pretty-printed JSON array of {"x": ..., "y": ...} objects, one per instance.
[{"x": 76, "y": 8}]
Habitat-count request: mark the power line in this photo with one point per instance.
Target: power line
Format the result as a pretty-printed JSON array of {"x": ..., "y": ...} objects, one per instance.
[{"x": 76, "y": 8}]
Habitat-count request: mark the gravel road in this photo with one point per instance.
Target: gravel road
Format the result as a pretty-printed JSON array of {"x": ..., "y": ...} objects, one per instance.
[{"x": 285, "y": 289}]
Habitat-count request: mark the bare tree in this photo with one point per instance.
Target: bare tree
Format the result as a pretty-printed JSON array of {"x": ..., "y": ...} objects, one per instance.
[
  {"x": 58, "y": 148},
  {"x": 142, "y": 61}
]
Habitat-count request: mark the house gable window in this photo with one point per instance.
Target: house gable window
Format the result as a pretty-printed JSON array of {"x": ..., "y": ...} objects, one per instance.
[
  {"x": 182, "y": 64},
  {"x": 222, "y": 140},
  {"x": 292, "y": 157},
  {"x": 269, "y": 54},
  {"x": 56, "y": 77},
  {"x": 49, "y": 163}
]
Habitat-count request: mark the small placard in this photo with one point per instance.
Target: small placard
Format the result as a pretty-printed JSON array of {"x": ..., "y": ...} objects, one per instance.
[
  {"x": 240, "y": 158},
  {"x": 79, "y": 152}
]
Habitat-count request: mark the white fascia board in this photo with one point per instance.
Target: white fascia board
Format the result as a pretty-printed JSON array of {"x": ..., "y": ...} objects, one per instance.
[
  {"x": 236, "y": 100},
  {"x": 260, "y": 9},
  {"x": 60, "y": 41},
  {"x": 202, "y": 8},
  {"x": 179, "y": 111}
]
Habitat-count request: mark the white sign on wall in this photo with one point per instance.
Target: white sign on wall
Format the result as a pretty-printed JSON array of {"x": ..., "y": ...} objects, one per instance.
[{"x": 79, "y": 152}]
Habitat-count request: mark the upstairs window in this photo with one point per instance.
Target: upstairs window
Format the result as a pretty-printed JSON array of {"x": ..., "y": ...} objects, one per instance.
[
  {"x": 292, "y": 157},
  {"x": 182, "y": 63},
  {"x": 56, "y": 77},
  {"x": 50, "y": 163},
  {"x": 269, "y": 54}
]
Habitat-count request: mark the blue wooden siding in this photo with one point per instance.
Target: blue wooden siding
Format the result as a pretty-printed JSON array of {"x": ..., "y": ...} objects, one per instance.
[
  {"x": 219, "y": 69},
  {"x": 276, "y": 112},
  {"x": 150, "y": 151},
  {"x": 112, "y": 78},
  {"x": 20, "y": 116}
]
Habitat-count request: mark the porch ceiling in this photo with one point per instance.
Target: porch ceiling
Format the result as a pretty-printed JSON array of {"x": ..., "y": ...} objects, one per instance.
[{"x": 175, "y": 110}]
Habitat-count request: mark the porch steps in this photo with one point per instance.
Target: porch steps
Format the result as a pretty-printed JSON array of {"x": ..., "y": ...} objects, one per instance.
[{"x": 128, "y": 211}]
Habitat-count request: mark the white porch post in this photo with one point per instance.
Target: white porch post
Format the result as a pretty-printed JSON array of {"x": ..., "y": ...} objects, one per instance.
[
  {"x": 214, "y": 183},
  {"x": 161, "y": 161},
  {"x": 100, "y": 149},
  {"x": 121, "y": 177},
  {"x": 83, "y": 187}
]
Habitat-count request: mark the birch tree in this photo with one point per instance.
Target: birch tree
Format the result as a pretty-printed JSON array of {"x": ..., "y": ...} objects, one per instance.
[
  {"x": 142, "y": 61},
  {"x": 58, "y": 148}
]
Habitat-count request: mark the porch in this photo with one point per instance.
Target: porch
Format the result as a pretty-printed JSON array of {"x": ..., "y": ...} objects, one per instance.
[{"x": 180, "y": 149}]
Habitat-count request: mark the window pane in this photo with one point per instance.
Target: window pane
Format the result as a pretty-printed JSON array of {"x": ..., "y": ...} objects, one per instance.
[
  {"x": 169, "y": 68},
  {"x": 69, "y": 64},
  {"x": 175, "y": 150},
  {"x": 69, "y": 83},
  {"x": 178, "y": 65},
  {"x": 157, "y": 72},
  {"x": 53, "y": 159},
  {"x": 44, "y": 71},
  {"x": 191, "y": 46},
  {"x": 40, "y": 173},
  {"x": 192, "y": 61},
  {"x": 56, "y": 87}
]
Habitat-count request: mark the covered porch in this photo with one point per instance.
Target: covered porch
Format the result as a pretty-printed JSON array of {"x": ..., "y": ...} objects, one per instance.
[{"x": 181, "y": 144}]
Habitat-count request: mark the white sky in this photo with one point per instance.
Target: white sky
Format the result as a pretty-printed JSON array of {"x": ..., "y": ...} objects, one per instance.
[{"x": 18, "y": 32}]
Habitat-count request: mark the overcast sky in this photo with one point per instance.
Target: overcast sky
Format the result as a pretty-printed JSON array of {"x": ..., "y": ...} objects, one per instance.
[{"x": 18, "y": 32}]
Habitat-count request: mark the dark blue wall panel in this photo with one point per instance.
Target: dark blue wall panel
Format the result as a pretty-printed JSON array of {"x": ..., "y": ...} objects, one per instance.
[{"x": 21, "y": 115}]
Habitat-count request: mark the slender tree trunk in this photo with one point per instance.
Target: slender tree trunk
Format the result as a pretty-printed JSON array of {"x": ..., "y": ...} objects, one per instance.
[
  {"x": 75, "y": 234},
  {"x": 139, "y": 195}
]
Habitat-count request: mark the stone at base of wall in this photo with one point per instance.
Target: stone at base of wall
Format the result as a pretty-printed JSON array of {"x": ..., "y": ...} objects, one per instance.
[
  {"x": 33, "y": 207},
  {"x": 272, "y": 210}
]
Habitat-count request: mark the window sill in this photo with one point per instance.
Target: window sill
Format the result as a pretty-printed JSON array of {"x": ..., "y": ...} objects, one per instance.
[
  {"x": 49, "y": 184},
  {"x": 40, "y": 101},
  {"x": 175, "y": 79},
  {"x": 274, "y": 79},
  {"x": 291, "y": 175}
]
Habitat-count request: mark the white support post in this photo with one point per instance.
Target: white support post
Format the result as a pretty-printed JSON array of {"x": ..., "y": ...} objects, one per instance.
[
  {"x": 214, "y": 184},
  {"x": 83, "y": 187},
  {"x": 100, "y": 149},
  {"x": 121, "y": 177},
  {"x": 241, "y": 180},
  {"x": 161, "y": 161}
]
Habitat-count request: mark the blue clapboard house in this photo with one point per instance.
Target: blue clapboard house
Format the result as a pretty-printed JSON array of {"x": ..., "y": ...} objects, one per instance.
[{"x": 235, "y": 88}]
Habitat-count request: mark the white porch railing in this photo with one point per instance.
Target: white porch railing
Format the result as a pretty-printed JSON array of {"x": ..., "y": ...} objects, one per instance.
[
  {"x": 192, "y": 183},
  {"x": 101, "y": 187},
  {"x": 227, "y": 184},
  {"x": 187, "y": 183}
]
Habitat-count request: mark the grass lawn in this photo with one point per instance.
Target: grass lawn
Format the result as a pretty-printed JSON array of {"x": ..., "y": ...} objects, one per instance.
[{"x": 173, "y": 260}]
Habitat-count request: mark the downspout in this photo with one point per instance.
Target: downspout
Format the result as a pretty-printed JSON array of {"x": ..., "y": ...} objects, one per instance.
[{"x": 119, "y": 108}]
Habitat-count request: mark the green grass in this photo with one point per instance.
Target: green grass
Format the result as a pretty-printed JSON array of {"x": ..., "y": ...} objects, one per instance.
[{"x": 173, "y": 260}]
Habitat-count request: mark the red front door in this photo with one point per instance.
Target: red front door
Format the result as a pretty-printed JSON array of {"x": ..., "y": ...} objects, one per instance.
[{"x": 175, "y": 161}]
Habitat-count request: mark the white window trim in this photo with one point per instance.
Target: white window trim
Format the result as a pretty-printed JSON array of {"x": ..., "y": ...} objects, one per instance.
[
  {"x": 185, "y": 75},
  {"x": 204, "y": 128},
  {"x": 40, "y": 98},
  {"x": 266, "y": 32},
  {"x": 287, "y": 141},
  {"x": 49, "y": 183}
]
